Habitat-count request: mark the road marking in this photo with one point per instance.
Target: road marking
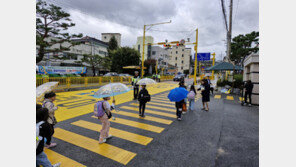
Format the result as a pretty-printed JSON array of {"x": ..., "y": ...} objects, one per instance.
[
  {"x": 162, "y": 104},
  {"x": 149, "y": 118},
  {"x": 135, "y": 124},
  {"x": 217, "y": 96},
  {"x": 117, "y": 154},
  {"x": 150, "y": 111},
  {"x": 163, "y": 101},
  {"x": 55, "y": 157},
  {"x": 229, "y": 97},
  {"x": 155, "y": 107},
  {"x": 143, "y": 140}
]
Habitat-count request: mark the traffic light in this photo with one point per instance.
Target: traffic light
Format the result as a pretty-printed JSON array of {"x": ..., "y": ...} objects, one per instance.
[{"x": 167, "y": 45}]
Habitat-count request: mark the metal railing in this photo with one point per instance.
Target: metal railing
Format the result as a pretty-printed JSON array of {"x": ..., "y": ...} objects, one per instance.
[{"x": 77, "y": 82}]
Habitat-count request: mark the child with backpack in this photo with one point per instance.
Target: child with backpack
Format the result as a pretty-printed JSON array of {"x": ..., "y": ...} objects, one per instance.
[
  {"x": 49, "y": 98},
  {"x": 102, "y": 110},
  {"x": 43, "y": 131},
  {"x": 191, "y": 97},
  {"x": 143, "y": 98}
]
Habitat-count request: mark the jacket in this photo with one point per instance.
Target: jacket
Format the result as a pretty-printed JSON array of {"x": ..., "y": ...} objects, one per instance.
[
  {"x": 47, "y": 103},
  {"x": 135, "y": 80},
  {"x": 249, "y": 87},
  {"x": 143, "y": 93},
  {"x": 44, "y": 131}
]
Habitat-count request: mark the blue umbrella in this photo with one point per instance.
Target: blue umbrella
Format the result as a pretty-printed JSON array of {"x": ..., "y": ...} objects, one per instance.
[{"x": 178, "y": 94}]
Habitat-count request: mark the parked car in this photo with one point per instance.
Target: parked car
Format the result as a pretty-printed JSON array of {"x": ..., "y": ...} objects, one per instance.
[
  {"x": 110, "y": 74},
  {"x": 178, "y": 77}
]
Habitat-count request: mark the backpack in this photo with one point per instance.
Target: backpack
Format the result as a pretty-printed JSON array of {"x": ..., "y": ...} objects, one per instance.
[
  {"x": 38, "y": 137},
  {"x": 191, "y": 95},
  {"x": 100, "y": 111},
  {"x": 147, "y": 97}
]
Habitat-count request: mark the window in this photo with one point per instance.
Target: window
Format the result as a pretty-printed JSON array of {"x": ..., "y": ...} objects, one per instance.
[
  {"x": 182, "y": 55},
  {"x": 183, "y": 50},
  {"x": 181, "y": 68},
  {"x": 176, "y": 65},
  {"x": 176, "y": 52},
  {"x": 176, "y": 58},
  {"x": 153, "y": 52},
  {"x": 105, "y": 37},
  {"x": 182, "y": 61}
]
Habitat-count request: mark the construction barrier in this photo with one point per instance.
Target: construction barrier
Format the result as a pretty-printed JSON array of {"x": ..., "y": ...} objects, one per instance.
[{"x": 77, "y": 82}]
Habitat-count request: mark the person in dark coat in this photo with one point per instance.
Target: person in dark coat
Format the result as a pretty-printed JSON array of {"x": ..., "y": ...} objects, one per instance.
[
  {"x": 142, "y": 100},
  {"x": 248, "y": 91},
  {"x": 205, "y": 93}
]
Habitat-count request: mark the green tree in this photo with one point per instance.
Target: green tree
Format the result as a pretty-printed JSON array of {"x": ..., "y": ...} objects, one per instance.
[
  {"x": 124, "y": 56},
  {"x": 243, "y": 45},
  {"x": 51, "y": 26},
  {"x": 150, "y": 64},
  {"x": 113, "y": 45},
  {"x": 93, "y": 61}
]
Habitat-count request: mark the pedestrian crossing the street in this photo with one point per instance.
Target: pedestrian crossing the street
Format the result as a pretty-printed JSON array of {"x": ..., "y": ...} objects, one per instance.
[{"x": 127, "y": 126}]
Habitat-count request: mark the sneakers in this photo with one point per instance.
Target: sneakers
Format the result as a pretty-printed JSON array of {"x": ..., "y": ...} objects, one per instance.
[
  {"x": 250, "y": 105},
  {"x": 109, "y": 136},
  {"x": 179, "y": 119},
  {"x": 143, "y": 116},
  {"x": 51, "y": 145},
  {"x": 103, "y": 141},
  {"x": 57, "y": 165},
  {"x": 183, "y": 113}
]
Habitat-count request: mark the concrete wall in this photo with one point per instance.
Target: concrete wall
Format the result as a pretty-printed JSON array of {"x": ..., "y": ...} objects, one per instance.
[
  {"x": 107, "y": 36},
  {"x": 148, "y": 39},
  {"x": 251, "y": 72}
]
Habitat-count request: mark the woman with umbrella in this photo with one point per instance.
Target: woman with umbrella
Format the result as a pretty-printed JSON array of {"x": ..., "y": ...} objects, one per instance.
[{"x": 205, "y": 93}]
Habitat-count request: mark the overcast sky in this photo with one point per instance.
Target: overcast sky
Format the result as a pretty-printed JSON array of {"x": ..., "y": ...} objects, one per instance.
[{"x": 93, "y": 17}]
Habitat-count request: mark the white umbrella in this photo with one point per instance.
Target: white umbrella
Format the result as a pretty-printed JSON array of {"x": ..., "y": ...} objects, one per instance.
[
  {"x": 111, "y": 89},
  {"x": 45, "y": 88},
  {"x": 146, "y": 81}
]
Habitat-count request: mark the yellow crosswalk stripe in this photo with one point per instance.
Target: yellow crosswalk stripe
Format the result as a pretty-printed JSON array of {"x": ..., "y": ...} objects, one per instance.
[
  {"x": 143, "y": 140},
  {"x": 149, "y": 118},
  {"x": 55, "y": 157},
  {"x": 117, "y": 154},
  {"x": 161, "y": 100},
  {"x": 217, "y": 96},
  {"x": 150, "y": 111},
  {"x": 162, "y": 104},
  {"x": 135, "y": 124},
  {"x": 229, "y": 97},
  {"x": 154, "y": 107}
]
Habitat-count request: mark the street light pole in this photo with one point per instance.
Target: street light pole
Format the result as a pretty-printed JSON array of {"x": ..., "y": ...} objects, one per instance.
[
  {"x": 214, "y": 59},
  {"x": 142, "y": 73}
]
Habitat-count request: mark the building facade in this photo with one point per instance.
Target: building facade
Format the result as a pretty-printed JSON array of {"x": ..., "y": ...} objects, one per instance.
[
  {"x": 251, "y": 72},
  {"x": 148, "y": 48},
  {"x": 161, "y": 55},
  {"x": 107, "y": 36},
  {"x": 88, "y": 45},
  {"x": 180, "y": 57}
]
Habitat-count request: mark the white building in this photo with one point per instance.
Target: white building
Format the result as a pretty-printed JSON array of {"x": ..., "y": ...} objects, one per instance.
[
  {"x": 139, "y": 46},
  {"x": 162, "y": 56},
  {"x": 107, "y": 36},
  {"x": 180, "y": 57},
  {"x": 89, "y": 45}
]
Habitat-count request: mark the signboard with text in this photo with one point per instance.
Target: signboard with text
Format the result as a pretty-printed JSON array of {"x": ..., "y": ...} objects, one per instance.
[
  {"x": 203, "y": 56},
  {"x": 61, "y": 70}
]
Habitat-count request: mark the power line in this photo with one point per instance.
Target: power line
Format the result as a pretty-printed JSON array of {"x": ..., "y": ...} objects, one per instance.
[{"x": 236, "y": 10}]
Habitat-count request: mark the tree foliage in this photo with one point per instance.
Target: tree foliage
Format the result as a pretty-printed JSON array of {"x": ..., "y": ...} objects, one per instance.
[
  {"x": 124, "y": 56},
  {"x": 94, "y": 61},
  {"x": 51, "y": 26},
  {"x": 150, "y": 64},
  {"x": 243, "y": 45},
  {"x": 113, "y": 45}
]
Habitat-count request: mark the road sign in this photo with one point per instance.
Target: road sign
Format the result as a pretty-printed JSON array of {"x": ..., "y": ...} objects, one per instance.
[
  {"x": 203, "y": 56},
  {"x": 182, "y": 42}
]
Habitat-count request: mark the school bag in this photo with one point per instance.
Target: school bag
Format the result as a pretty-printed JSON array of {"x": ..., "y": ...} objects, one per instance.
[
  {"x": 100, "y": 111},
  {"x": 191, "y": 95},
  {"x": 38, "y": 137},
  {"x": 147, "y": 97}
]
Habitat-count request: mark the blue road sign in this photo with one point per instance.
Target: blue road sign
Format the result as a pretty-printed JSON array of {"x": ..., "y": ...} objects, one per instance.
[{"x": 203, "y": 56}]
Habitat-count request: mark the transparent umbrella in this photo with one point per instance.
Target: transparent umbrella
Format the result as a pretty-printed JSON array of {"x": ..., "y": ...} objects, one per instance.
[
  {"x": 146, "y": 81},
  {"x": 44, "y": 88}
]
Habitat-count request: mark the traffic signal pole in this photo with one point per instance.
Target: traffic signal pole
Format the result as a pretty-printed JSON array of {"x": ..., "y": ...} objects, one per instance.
[
  {"x": 195, "y": 60},
  {"x": 214, "y": 59}
]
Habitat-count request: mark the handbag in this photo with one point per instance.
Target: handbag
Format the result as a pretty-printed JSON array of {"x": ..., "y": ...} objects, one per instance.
[
  {"x": 184, "y": 108},
  {"x": 109, "y": 115}
]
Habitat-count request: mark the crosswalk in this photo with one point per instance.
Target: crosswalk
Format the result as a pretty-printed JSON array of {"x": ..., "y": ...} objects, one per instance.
[{"x": 159, "y": 114}]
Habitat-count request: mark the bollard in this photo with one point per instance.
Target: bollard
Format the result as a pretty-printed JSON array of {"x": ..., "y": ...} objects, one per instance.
[
  {"x": 68, "y": 82},
  {"x": 120, "y": 79},
  {"x": 85, "y": 81},
  {"x": 111, "y": 79},
  {"x": 100, "y": 81}
]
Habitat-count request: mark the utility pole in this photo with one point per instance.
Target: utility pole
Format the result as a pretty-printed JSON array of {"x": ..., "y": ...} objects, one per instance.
[{"x": 229, "y": 31}]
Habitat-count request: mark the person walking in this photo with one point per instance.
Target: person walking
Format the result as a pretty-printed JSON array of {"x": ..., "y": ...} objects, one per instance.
[
  {"x": 248, "y": 92},
  {"x": 135, "y": 84},
  {"x": 49, "y": 98},
  {"x": 191, "y": 97},
  {"x": 143, "y": 98},
  {"x": 205, "y": 93},
  {"x": 43, "y": 130},
  {"x": 179, "y": 104},
  {"x": 105, "y": 108},
  {"x": 182, "y": 84}
]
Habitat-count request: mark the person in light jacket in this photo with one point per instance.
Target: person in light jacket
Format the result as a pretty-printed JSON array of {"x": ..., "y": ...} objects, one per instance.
[
  {"x": 104, "y": 133},
  {"x": 49, "y": 98}
]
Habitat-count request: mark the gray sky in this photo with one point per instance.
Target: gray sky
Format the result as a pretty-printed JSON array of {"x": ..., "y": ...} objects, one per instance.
[{"x": 93, "y": 17}]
